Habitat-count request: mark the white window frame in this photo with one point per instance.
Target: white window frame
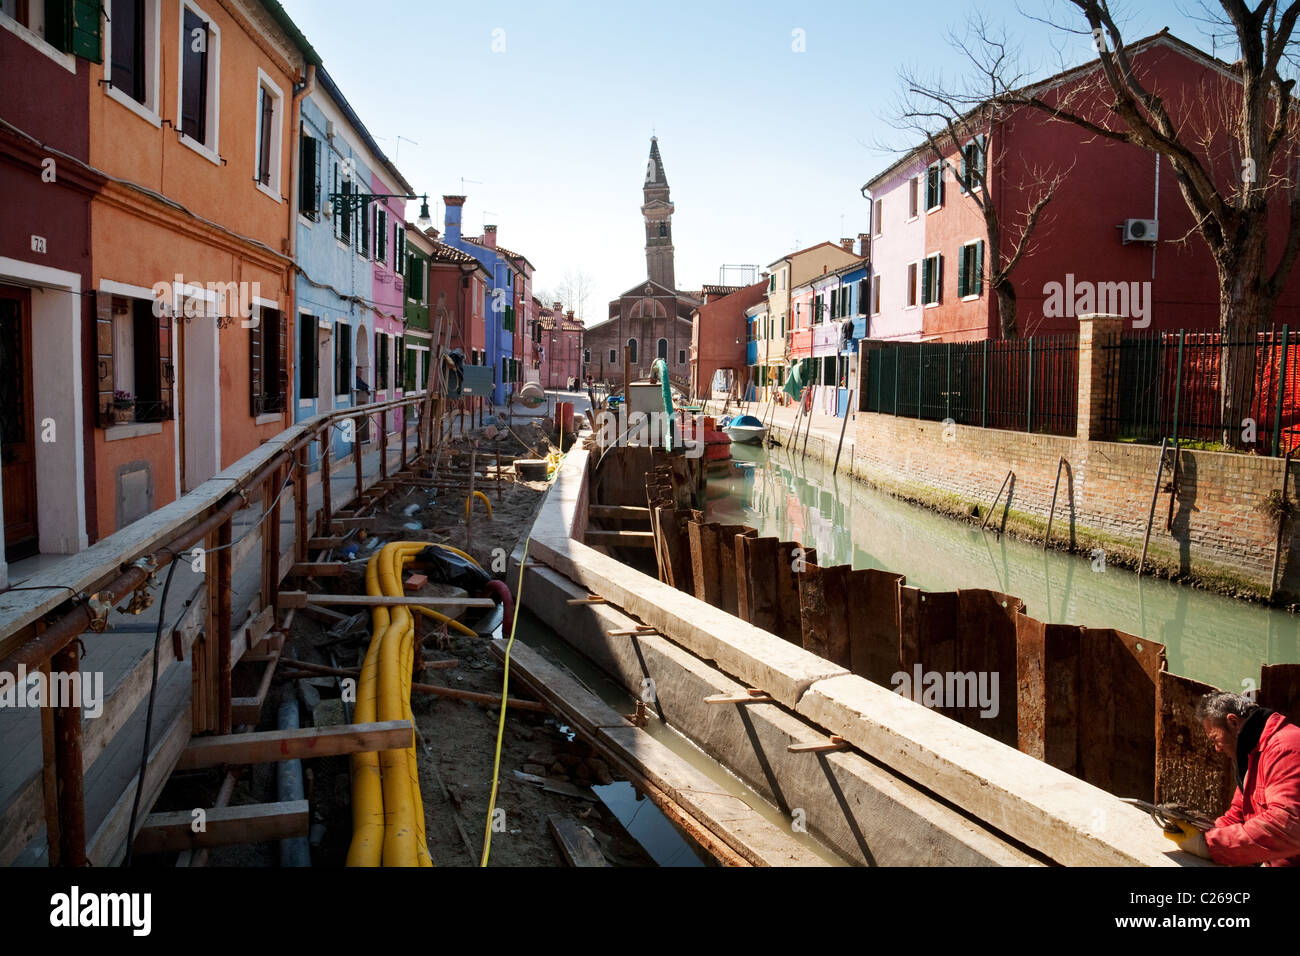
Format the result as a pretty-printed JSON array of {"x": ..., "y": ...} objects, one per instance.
[
  {"x": 973, "y": 141},
  {"x": 38, "y": 41},
  {"x": 148, "y": 110},
  {"x": 875, "y": 302},
  {"x": 971, "y": 297},
  {"x": 878, "y": 215},
  {"x": 940, "y": 165},
  {"x": 210, "y": 152},
  {"x": 914, "y": 188},
  {"x": 937, "y": 272},
  {"x": 272, "y": 189},
  {"x": 914, "y": 290}
]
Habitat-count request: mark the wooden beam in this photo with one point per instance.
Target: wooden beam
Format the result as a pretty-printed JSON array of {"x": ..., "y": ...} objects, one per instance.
[
  {"x": 618, "y": 511},
  {"x": 319, "y": 544},
  {"x": 272, "y": 745},
  {"x": 835, "y": 742},
  {"x": 577, "y": 846},
  {"x": 620, "y": 539},
  {"x": 326, "y": 569},
  {"x": 303, "y": 599},
  {"x": 223, "y": 826}
]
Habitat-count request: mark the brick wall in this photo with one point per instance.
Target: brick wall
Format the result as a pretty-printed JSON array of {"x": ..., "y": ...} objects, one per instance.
[{"x": 1217, "y": 537}]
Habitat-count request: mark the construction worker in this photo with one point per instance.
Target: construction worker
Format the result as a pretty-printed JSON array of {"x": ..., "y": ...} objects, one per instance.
[{"x": 1263, "y": 823}]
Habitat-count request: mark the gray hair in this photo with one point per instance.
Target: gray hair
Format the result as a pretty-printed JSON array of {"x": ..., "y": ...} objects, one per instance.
[{"x": 1217, "y": 705}]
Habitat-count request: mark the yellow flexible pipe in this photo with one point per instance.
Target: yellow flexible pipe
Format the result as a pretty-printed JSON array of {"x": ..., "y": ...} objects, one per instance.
[{"x": 469, "y": 503}]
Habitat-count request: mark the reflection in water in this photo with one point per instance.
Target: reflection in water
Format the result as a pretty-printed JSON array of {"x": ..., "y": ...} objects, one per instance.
[{"x": 1208, "y": 637}]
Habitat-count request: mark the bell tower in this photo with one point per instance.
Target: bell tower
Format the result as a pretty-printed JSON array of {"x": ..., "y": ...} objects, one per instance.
[{"x": 658, "y": 213}]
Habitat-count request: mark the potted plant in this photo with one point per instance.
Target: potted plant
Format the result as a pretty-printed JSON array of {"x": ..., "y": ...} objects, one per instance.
[{"x": 122, "y": 408}]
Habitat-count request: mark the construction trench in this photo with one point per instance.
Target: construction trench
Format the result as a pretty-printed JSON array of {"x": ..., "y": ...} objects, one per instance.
[{"x": 346, "y": 715}]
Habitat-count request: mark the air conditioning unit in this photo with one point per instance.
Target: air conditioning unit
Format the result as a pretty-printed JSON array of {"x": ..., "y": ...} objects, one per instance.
[{"x": 1140, "y": 230}]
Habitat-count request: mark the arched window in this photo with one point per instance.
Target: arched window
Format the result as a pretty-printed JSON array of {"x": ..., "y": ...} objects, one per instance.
[
  {"x": 663, "y": 349},
  {"x": 663, "y": 229},
  {"x": 631, "y": 344}
]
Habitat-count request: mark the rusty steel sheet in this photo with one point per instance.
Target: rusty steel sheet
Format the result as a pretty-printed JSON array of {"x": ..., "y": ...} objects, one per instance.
[
  {"x": 1117, "y": 695},
  {"x": 824, "y": 611},
  {"x": 873, "y": 624},
  {"x": 756, "y": 580},
  {"x": 986, "y": 646},
  {"x": 1047, "y": 692},
  {"x": 1279, "y": 689},
  {"x": 726, "y": 544},
  {"x": 703, "y": 539},
  {"x": 791, "y": 556},
  {"x": 1187, "y": 769}
]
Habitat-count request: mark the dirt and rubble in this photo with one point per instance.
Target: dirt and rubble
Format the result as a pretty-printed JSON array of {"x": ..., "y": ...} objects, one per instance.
[{"x": 456, "y": 738}]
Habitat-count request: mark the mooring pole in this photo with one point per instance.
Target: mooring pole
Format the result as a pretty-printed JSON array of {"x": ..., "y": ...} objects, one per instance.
[
  {"x": 993, "y": 507},
  {"x": 1281, "y": 523},
  {"x": 1052, "y": 512},
  {"x": 1155, "y": 493},
  {"x": 843, "y": 425}
]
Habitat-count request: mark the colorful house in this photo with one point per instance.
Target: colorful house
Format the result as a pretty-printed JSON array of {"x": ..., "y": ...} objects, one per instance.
[
  {"x": 350, "y": 251},
  {"x": 720, "y": 340}
]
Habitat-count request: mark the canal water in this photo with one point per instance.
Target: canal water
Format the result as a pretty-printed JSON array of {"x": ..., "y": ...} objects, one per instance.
[{"x": 1207, "y": 637}]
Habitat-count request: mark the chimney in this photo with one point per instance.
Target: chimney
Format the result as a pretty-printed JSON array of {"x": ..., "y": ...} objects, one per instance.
[
  {"x": 490, "y": 236},
  {"x": 557, "y": 306},
  {"x": 846, "y": 245},
  {"x": 864, "y": 245},
  {"x": 568, "y": 315},
  {"x": 432, "y": 233},
  {"x": 454, "y": 205}
]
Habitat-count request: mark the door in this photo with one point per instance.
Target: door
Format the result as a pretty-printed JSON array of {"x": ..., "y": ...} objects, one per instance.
[{"x": 17, "y": 425}]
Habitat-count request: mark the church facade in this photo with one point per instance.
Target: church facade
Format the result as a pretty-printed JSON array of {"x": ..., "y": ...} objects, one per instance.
[{"x": 652, "y": 319}]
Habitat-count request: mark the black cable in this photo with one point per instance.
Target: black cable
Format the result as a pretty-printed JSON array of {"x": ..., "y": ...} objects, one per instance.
[{"x": 148, "y": 719}]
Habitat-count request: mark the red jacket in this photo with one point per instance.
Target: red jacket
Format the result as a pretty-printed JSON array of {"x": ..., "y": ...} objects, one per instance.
[{"x": 1263, "y": 823}]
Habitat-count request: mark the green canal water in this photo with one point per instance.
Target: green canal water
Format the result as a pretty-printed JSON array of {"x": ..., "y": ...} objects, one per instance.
[{"x": 1207, "y": 637}]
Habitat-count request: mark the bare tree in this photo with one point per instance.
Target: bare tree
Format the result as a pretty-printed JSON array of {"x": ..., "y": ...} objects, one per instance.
[
  {"x": 950, "y": 116},
  {"x": 575, "y": 290},
  {"x": 1232, "y": 144}
]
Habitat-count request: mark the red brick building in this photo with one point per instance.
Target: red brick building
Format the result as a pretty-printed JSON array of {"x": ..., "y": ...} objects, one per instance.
[{"x": 718, "y": 337}]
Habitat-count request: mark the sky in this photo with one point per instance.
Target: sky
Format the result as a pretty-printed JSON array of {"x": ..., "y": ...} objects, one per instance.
[{"x": 770, "y": 116}]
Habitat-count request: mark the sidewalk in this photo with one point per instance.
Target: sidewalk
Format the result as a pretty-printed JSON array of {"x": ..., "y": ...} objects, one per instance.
[{"x": 823, "y": 435}]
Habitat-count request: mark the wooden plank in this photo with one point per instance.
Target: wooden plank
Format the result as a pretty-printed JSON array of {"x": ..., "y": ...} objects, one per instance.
[
  {"x": 291, "y": 599},
  {"x": 756, "y": 582},
  {"x": 320, "y": 544},
  {"x": 728, "y": 534},
  {"x": 635, "y": 512},
  {"x": 576, "y": 844},
  {"x": 301, "y": 744},
  {"x": 325, "y": 569},
  {"x": 223, "y": 826},
  {"x": 824, "y": 610},
  {"x": 619, "y": 539},
  {"x": 704, "y": 562}
]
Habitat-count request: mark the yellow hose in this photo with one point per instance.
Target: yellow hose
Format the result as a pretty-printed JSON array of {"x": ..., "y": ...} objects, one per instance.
[{"x": 469, "y": 503}]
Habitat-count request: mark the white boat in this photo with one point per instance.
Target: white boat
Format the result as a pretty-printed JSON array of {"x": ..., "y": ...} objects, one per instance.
[{"x": 745, "y": 429}]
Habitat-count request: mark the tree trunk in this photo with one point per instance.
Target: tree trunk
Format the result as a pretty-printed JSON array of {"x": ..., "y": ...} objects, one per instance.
[
  {"x": 1006, "y": 293},
  {"x": 1243, "y": 313}
]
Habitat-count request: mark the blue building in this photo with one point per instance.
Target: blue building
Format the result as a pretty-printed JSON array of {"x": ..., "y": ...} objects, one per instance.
[
  {"x": 349, "y": 263},
  {"x": 500, "y": 320}
]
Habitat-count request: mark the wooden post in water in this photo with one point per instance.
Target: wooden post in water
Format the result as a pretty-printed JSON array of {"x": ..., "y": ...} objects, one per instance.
[
  {"x": 994, "y": 506},
  {"x": 843, "y": 425},
  {"x": 1151, "y": 517}
]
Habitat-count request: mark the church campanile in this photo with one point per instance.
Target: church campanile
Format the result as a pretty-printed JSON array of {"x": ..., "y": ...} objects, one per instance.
[{"x": 658, "y": 213}]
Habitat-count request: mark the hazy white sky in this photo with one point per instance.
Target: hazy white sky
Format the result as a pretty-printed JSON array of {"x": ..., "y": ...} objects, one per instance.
[{"x": 545, "y": 111}]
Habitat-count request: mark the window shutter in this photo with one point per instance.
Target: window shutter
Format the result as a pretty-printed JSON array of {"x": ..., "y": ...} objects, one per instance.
[
  {"x": 938, "y": 175},
  {"x": 282, "y": 385},
  {"x": 925, "y": 281},
  {"x": 381, "y": 235},
  {"x": 364, "y": 246},
  {"x": 166, "y": 368},
  {"x": 255, "y": 366},
  {"x": 938, "y": 278},
  {"x": 73, "y": 26},
  {"x": 965, "y": 168},
  {"x": 104, "y": 354},
  {"x": 979, "y": 268},
  {"x": 308, "y": 180},
  {"x": 267, "y": 120},
  {"x": 962, "y": 278}
]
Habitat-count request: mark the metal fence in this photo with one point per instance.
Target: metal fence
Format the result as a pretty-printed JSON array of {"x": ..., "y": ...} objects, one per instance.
[
  {"x": 1170, "y": 384},
  {"x": 1014, "y": 384}
]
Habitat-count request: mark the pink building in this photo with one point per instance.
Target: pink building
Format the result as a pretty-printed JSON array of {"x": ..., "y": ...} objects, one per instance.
[{"x": 385, "y": 239}]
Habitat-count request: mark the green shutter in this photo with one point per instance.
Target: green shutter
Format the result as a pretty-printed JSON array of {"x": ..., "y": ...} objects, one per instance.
[
  {"x": 925, "y": 281},
  {"x": 979, "y": 268},
  {"x": 962, "y": 277},
  {"x": 86, "y": 30}
]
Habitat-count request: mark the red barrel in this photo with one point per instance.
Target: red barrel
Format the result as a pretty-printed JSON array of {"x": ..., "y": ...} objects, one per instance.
[{"x": 564, "y": 417}]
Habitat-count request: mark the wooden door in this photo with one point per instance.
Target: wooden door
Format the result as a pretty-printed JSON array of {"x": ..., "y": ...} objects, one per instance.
[{"x": 17, "y": 424}]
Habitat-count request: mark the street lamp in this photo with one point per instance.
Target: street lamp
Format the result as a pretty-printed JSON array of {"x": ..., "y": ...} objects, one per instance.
[{"x": 346, "y": 204}]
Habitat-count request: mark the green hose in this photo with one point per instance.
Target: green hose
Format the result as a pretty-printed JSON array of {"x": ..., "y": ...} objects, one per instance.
[{"x": 662, "y": 367}]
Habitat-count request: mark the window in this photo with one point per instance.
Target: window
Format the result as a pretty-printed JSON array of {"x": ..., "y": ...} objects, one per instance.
[
  {"x": 931, "y": 279},
  {"x": 309, "y": 176},
  {"x": 198, "y": 94},
  {"x": 135, "y": 357},
  {"x": 308, "y": 356},
  {"x": 878, "y": 216},
  {"x": 911, "y": 284},
  {"x": 381, "y": 361},
  {"x": 363, "y": 241},
  {"x": 268, "y": 361},
  {"x": 875, "y": 295},
  {"x": 269, "y": 104},
  {"x": 934, "y": 187},
  {"x": 970, "y": 269},
  {"x": 771, "y": 282},
  {"x": 127, "y": 46},
  {"x": 663, "y": 230},
  {"x": 913, "y": 196},
  {"x": 586, "y": 356},
  {"x": 64, "y": 26},
  {"x": 662, "y": 349},
  {"x": 973, "y": 164},
  {"x": 399, "y": 251},
  {"x": 864, "y": 292},
  {"x": 381, "y": 235},
  {"x": 681, "y": 356},
  {"x": 342, "y": 359},
  {"x": 342, "y": 220},
  {"x": 782, "y": 325},
  {"x": 632, "y": 356},
  {"x": 613, "y": 356}
]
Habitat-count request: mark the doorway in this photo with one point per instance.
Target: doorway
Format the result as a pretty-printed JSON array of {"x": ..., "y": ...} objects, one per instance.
[{"x": 17, "y": 425}]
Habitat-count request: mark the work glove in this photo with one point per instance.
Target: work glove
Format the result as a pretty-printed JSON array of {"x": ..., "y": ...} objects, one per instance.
[{"x": 1190, "y": 839}]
